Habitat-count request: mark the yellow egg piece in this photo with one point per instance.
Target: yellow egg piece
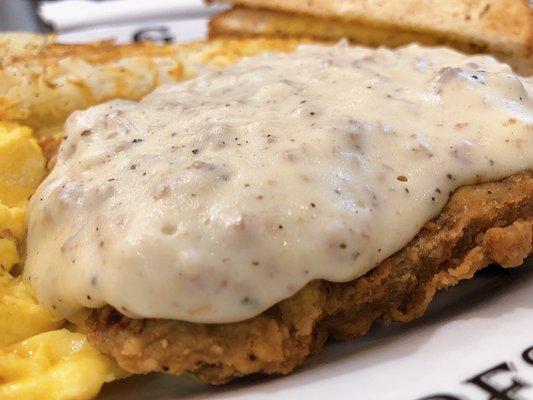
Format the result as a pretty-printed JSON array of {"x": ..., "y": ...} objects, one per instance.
[
  {"x": 21, "y": 316},
  {"x": 22, "y": 164},
  {"x": 13, "y": 221},
  {"x": 22, "y": 168},
  {"x": 9, "y": 255},
  {"x": 56, "y": 365}
]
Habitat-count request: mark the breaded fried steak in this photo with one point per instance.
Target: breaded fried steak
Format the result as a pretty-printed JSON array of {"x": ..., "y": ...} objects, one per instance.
[
  {"x": 480, "y": 225},
  {"x": 230, "y": 224}
]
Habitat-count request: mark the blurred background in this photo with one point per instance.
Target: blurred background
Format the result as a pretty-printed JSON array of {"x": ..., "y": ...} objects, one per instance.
[{"x": 125, "y": 21}]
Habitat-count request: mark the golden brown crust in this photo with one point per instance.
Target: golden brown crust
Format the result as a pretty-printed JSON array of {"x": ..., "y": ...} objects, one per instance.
[
  {"x": 248, "y": 22},
  {"x": 481, "y": 224},
  {"x": 503, "y": 26},
  {"x": 241, "y": 22}
]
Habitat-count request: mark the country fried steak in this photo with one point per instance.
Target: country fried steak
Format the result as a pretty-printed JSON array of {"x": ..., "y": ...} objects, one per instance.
[{"x": 481, "y": 224}]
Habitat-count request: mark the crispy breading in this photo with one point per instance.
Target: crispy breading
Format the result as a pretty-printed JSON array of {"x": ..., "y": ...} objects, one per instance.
[
  {"x": 242, "y": 22},
  {"x": 481, "y": 224},
  {"x": 501, "y": 26},
  {"x": 42, "y": 82}
]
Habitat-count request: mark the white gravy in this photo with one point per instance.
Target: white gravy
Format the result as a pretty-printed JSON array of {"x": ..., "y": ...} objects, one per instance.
[{"x": 213, "y": 199}]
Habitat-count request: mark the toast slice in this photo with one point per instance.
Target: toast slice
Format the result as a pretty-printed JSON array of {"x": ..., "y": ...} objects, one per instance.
[{"x": 503, "y": 28}]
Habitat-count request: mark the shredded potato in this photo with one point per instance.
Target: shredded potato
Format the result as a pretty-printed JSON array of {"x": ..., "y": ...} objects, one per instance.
[{"x": 41, "y": 82}]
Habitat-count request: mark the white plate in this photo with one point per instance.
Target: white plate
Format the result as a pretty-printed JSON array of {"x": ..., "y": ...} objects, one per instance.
[
  {"x": 482, "y": 324},
  {"x": 126, "y": 21}
]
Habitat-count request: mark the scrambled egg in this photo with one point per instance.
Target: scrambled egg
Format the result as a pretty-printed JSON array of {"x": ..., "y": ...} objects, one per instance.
[
  {"x": 22, "y": 167},
  {"x": 20, "y": 315},
  {"x": 37, "y": 359},
  {"x": 54, "y": 365},
  {"x": 22, "y": 164}
]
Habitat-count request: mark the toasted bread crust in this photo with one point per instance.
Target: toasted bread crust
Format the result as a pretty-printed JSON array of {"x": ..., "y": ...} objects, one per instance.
[
  {"x": 240, "y": 22},
  {"x": 246, "y": 22},
  {"x": 504, "y": 26},
  {"x": 481, "y": 224}
]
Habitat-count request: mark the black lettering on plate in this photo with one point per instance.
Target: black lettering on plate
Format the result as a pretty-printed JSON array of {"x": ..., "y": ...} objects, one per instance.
[
  {"x": 157, "y": 34},
  {"x": 483, "y": 382},
  {"x": 528, "y": 355},
  {"x": 440, "y": 397}
]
